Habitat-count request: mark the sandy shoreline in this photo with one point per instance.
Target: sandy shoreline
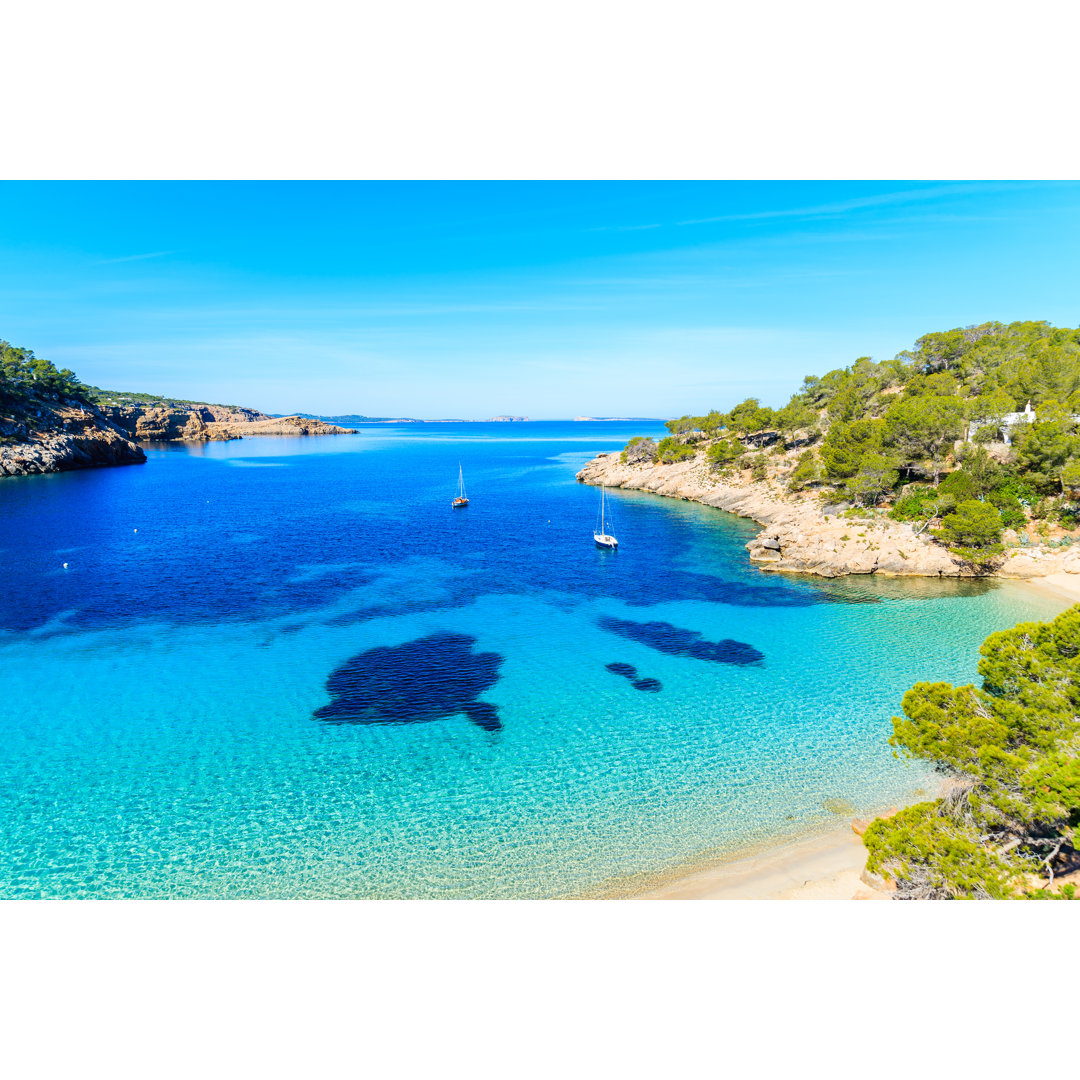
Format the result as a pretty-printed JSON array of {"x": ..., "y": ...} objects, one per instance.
[
  {"x": 824, "y": 867},
  {"x": 1064, "y": 586},
  {"x": 820, "y": 867}
]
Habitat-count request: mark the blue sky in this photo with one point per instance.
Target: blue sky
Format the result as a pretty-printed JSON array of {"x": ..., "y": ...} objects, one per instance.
[{"x": 547, "y": 299}]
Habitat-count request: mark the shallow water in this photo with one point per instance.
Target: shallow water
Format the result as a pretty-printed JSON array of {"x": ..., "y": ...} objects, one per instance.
[{"x": 286, "y": 668}]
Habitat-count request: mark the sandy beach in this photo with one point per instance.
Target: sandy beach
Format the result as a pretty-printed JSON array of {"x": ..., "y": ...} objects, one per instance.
[
  {"x": 814, "y": 868},
  {"x": 824, "y": 867},
  {"x": 1064, "y": 586}
]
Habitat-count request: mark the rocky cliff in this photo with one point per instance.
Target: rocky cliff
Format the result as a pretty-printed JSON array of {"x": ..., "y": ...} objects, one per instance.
[
  {"x": 804, "y": 534},
  {"x": 279, "y": 425},
  {"x": 177, "y": 422},
  {"x": 62, "y": 437}
]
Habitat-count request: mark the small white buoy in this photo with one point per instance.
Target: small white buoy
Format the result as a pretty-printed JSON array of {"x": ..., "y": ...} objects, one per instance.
[
  {"x": 65, "y": 566},
  {"x": 136, "y": 530}
]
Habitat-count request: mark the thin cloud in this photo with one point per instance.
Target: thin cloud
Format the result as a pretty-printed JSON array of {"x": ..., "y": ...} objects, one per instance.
[
  {"x": 625, "y": 228},
  {"x": 134, "y": 258},
  {"x": 867, "y": 202}
]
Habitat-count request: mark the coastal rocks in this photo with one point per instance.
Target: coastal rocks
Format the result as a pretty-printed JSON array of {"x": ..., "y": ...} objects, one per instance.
[
  {"x": 61, "y": 439},
  {"x": 227, "y": 414},
  {"x": 160, "y": 424},
  {"x": 800, "y": 536},
  {"x": 204, "y": 423},
  {"x": 1040, "y": 563},
  {"x": 877, "y": 882},
  {"x": 280, "y": 425},
  {"x": 839, "y": 806},
  {"x": 859, "y": 825}
]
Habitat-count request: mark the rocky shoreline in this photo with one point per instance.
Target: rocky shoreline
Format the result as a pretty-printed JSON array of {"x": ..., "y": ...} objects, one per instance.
[
  {"x": 205, "y": 423},
  {"x": 277, "y": 425},
  {"x": 61, "y": 438},
  {"x": 72, "y": 435},
  {"x": 802, "y": 534}
]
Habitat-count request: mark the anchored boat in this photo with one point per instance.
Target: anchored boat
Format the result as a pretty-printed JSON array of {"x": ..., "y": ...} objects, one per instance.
[
  {"x": 462, "y": 499},
  {"x": 601, "y": 536}
]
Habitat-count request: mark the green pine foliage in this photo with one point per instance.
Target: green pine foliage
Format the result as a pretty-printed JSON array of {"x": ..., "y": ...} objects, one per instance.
[
  {"x": 972, "y": 531},
  {"x": 27, "y": 380},
  {"x": 805, "y": 471},
  {"x": 882, "y": 429},
  {"x": 671, "y": 449},
  {"x": 725, "y": 452},
  {"x": 1011, "y": 750}
]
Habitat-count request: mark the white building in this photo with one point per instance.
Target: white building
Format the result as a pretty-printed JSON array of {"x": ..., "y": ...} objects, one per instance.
[{"x": 1008, "y": 423}]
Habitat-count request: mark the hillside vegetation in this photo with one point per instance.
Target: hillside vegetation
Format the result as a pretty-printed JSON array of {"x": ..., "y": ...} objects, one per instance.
[
  {"x": 28, "y": 381},
  {"x": 129, "y": 397},
  {"x": 926, "y": 436}
]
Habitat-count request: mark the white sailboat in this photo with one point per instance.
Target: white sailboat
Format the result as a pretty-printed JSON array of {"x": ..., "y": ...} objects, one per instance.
[
  {"x": 462, "y": 499},
  {"x": 600, "y": 535}
]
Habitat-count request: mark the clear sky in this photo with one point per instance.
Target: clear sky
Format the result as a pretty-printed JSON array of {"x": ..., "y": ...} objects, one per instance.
[{"x": 546, "y": 299}]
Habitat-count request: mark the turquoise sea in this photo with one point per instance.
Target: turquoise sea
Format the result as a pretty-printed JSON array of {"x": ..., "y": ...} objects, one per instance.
[{"x": 286, "y": 668}]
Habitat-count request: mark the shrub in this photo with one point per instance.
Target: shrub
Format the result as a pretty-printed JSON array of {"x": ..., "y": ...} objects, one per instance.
[
  {"x": 805, "y": 470},
  {"x": 972, "y": 531},
  {"x": 958, "y": 484},
  {"x": 916, "y": 503},
  {"x": 669, "y": 450},
  {"x": 724, "y": 452},
  {"x": 847, "y": 444},
  {"x": 875, "y": 477},
  {"x": 638, "y": 451},
  {"x": 1008, "y": 506},
  {"x": 758, "y": 468}
]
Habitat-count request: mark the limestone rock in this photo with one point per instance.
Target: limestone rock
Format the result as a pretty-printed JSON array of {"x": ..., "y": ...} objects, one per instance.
[
  {"x": 280, "y": 425},
  {"x": 877, "y": 881},
  {"x": 802, "y": 536},
  {"x": 66, "y": 437}
]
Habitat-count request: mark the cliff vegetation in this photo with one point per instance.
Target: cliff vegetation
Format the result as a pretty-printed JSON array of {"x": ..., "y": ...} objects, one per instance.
[{"x": 971, "y": 437}]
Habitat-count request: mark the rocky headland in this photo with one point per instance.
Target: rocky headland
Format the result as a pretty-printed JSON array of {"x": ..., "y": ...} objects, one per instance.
[
  {"x": 182, "y": 422},
  {"x": 277, "y": 425},
  {"x": 56, "y": 436},
  {"x": 60, "y": 437},
  {"x": 806, "y": 533}
]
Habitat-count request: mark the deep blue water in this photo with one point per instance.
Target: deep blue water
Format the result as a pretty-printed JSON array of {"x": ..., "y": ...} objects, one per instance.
[{"x": 285, "y": 667}]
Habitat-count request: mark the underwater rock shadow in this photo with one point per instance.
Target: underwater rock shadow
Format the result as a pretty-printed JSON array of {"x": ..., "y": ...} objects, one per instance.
[
  {"x": 432, "y": 678},
  {"x": 676, "y": 641},
  {"x": 629, "y": 672}
]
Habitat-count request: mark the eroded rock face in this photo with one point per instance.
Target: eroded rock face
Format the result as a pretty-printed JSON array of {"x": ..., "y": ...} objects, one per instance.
[
  {"x": 279, "y": 425},
  {"x": 63, "y": 438},
  {"x": 803, "y": 536},
  {"x": 160, "y": 424}
]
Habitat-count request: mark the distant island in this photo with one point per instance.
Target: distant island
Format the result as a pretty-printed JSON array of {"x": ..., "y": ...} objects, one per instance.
[
  {"x": 506, "y": 419},
  {"x": 356, "y": 419}
]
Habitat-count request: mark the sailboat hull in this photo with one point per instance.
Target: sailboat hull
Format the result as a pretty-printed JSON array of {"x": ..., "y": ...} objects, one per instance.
[
  {"x": 608, "y": 542},
  {"x": 460, "y": 504}
]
